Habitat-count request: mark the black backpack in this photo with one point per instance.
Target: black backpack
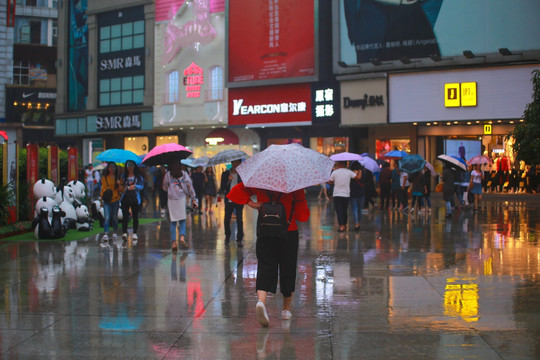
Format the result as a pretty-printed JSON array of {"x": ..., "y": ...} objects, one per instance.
[{"x": 272, "y": 220}]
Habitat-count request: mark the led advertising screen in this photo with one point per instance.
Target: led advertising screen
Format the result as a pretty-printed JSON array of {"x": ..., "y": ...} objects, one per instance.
[
  {"x": 390, "y": 30},
  {"x": 465, "y": 149},
  {"x": 270, "y": 39},
  {"x": 270, "y": 105}
]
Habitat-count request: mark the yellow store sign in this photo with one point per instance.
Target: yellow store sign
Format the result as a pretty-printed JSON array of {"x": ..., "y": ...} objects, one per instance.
[{"x": 460, "y": 94}]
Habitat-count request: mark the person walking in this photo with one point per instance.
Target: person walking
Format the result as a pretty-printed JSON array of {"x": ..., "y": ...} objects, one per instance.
[
  {"x": 133, "y": 184},
  {"x": 178, "y": 186},
  {"x": 89, "y": 180},
  {"x": 448, "y": 177},
  {"x": 427, "y": 194},
  {"x": 403, "y": 195},
  {"x": 357, "y": 195},
  {"x": 385, "y": 185},
  {"x": 276, "y": 257},
  {"x": 230, "y": 179},
  {"x": 418, "y": 190},
  {"x": 110, "y": 198},
  {"x": 210, "y": 188},
  {"x": 341, "y": 179},
  {"x": 197, "y": 177},
  {"x": 394, "y": 191},
  {"x": 475, "y": 185}
]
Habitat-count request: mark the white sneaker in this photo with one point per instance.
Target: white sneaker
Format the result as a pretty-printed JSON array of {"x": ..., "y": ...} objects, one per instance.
[
  {"x": 105, "y": 238},
  {"x": 114, "y": 236},
  {"x": 134, "y": 237},
  {"x": 262, "y": 316},
  {"x": 286, "y": 315},
  {"x": 124, "y": 236}
]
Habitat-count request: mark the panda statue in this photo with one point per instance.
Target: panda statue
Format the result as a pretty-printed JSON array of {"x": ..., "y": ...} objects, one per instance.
[
  {"x": 97, "y": 212},
  {"x": 58, "y": 229},
  {"x": 42, "y": 225},
  {"x": 67, "y": 206},
  {"x": 78, "y": 190},
  {"x": 84, "y": 221},
  {"x": 44, "y": 188}
]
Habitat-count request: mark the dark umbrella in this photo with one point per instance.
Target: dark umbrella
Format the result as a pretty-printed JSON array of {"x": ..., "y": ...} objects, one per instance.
[{"x": 412, "y": 164}]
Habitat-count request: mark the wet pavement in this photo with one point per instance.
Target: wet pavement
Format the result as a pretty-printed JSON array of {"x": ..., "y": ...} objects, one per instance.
[{"x": 402, "y": 287}]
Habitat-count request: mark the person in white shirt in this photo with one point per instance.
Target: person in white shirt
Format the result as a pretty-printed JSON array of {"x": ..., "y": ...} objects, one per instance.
[
  {"x": 89, "y": 179},
  {"x": 475, "y": 185},
  {"x": 341, "y": 179}
]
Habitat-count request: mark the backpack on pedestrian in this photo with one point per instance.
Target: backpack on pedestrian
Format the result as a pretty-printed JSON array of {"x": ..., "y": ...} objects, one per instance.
[{"x": 272, "y": 220}]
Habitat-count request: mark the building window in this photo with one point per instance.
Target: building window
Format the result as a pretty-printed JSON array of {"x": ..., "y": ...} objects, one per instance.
[
  {"x": 119, "y": 37},
  {"x": 172, "y": 87},
  {"x": 215, "y": 92},
  {"x": 21, "y": 73},
  {"x": 121, "y": 91}
]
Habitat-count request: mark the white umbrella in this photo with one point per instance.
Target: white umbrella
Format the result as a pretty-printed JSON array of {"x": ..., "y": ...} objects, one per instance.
[
  {"x": 455, "y": 162},
  {"x": 200, "y": 161},
  {"x": 431, "y": 169},
  {"x": 369, "y": 164},
  {"x": 345, "y": 156},
  {"x": 285, "y": 168},
  {"x": 226, "y": 156}
]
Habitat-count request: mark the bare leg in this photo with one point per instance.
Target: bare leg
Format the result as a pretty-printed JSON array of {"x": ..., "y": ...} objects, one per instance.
[
  {"x": 261, "y": 295},
  {"x": 287, "y": 303}
]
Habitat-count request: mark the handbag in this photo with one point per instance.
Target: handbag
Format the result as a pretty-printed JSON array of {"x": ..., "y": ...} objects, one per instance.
[{"x": 107, "y": 194}]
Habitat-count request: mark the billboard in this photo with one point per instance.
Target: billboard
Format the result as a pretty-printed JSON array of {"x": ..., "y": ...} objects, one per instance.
[
  {"x": 389, "y": 30},
  {"x": 275, "y": 41},
  {"x": 271, "y": 105},
  {"x": 78, "y": 55}
]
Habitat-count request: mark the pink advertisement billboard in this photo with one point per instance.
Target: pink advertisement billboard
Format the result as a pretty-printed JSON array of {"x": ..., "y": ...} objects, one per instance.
[{"x": 271, "y": 39}]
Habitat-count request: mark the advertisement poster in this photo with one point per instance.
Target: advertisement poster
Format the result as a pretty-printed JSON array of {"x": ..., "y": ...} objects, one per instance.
[
  {"x": 73, "y": 164},
  {"x": 78, "y": 55},
  {"x": 389, "y": 30},
  {"x": 275, "y": 41}
]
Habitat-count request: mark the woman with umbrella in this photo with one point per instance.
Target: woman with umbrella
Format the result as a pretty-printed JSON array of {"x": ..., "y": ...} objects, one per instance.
[
  {"x": 178, "y": 186},
  {"x": 110, "y": 197},
  {"x": 133, "y": 184},
  {"x": 475, "y": 185}
]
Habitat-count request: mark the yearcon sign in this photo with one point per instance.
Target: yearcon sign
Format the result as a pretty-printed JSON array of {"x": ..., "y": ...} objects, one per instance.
[
  {"x": 283, "y": 105},
  {"x": 276, "y": 40}
]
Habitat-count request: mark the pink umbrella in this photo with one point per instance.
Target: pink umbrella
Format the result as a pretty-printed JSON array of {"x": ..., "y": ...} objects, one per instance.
[
  {"x": 479, "y": 159},
  {"x": 285, "y": 168},
  {"x": 166, "y": 154},
  {"x": 345, "y": 156},
  {"x": 430, "y": 168}
]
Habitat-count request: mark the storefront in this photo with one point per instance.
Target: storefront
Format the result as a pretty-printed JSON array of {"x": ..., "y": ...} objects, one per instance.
[{"x": 462, "y": 112}]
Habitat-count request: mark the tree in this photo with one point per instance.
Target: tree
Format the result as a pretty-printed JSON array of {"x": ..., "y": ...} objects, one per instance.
[{"x": 527, "y": 134}]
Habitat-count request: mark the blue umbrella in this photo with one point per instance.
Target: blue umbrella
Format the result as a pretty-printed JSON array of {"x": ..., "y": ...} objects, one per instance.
[
  {"x": 395, "y": 154},
  {"x": 119, "y": 156},
  {"x": 412, "y": 164}
]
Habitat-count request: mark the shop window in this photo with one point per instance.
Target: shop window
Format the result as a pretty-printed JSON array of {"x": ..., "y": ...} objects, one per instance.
[
  {"x": 284, "y": 141},
  {"x": 329, "y": 145},
  {"x": 382, "y": 146},
  {"x": 21, "y": 73},
  {"x": 172, "y": 87},
  {"x": 137, "y": 144},
  {"x": 166, "y": 139},
  {"x": 215, "y": 92}
]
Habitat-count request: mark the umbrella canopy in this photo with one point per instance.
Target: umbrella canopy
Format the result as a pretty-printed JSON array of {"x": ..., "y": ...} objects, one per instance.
[
  {"x": 165, "y": 154},
  {"x": 431, "y": 169},
  {"x": 4, "y": 135},
  {"x": 479, "y": 160},
  {"x": 412, "y": 164},
  {"x": 100, "y": 166},
  {"x": 227, "y": 156},
  {"x": 200, "y": 161},
  {"x": 453, "y": 161},
  {"x": 118, "y": 156},
  {"x": 370, "y": 164},
  {"x": 187, "y": 162},
  {"x": 395, "y": 154},
  {"x": 345, "y": 156},
  {"x": 285, "y": 168}
]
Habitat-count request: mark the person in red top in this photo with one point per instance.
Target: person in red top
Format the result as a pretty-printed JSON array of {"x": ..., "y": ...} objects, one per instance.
[{"x": 275, "y": 256}]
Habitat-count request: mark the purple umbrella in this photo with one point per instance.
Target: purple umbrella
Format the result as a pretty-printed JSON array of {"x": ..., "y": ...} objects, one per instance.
[{"x": 345, "y": 156}]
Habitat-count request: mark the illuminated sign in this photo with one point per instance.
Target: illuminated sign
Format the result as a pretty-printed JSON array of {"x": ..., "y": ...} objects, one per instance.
[
  {"x": 487, "y": 129},
  {"x": 118, "y": 122},
  {"x": 239, "y": 109},
  {"x": 324, "y": 106},
  {"x": 460, "y": 94},
  {"x": 451, "y": 95},
  {"x": 214, "y": 140},
  {"x": 193, "y": 79}
]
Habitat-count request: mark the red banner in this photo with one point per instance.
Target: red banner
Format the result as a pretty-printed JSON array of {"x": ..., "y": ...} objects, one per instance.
[
  {"x": 275, "y": 41},
  {"x": 73, "y": 164},
  {"x": 32, "y": 173},
  {"x": 52, "y": 168}
]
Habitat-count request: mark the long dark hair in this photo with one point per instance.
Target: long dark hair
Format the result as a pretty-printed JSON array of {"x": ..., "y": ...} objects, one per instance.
[
  {"x": 106, "y": 170},
  {"x": 136, "y": 171}
]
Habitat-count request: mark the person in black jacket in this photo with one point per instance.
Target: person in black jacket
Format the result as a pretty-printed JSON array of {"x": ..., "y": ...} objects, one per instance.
[{"x": 229, "y": 179}]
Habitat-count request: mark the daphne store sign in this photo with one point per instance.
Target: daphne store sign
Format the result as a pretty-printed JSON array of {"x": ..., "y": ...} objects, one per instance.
[
  {"x": 118, "y": 122},
  {"x": 367, "y": 100}
]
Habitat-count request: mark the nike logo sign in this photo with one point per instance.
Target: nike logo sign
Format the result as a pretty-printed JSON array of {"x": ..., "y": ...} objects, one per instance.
[{"x": 25, "y": 95}]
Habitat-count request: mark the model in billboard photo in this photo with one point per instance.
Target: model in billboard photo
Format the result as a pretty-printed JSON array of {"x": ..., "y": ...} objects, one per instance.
[
  {"x": 392, "y": 29},
  {"x": 78, "y": 56}
]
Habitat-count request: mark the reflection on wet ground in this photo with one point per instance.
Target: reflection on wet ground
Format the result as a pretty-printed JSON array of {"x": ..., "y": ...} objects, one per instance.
[{"x": 403, "y": 286}]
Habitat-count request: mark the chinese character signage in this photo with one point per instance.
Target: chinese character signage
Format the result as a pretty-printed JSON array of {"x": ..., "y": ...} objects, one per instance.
[
  {"x": 193, "y": 80},
  {"x": 325, "y": 102},
  {"x": 118, "y": 122},
  {"x": 271, "y": 105},
  {"x": 460, "y": 94},
  {"x": 275, "y": 41}
]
